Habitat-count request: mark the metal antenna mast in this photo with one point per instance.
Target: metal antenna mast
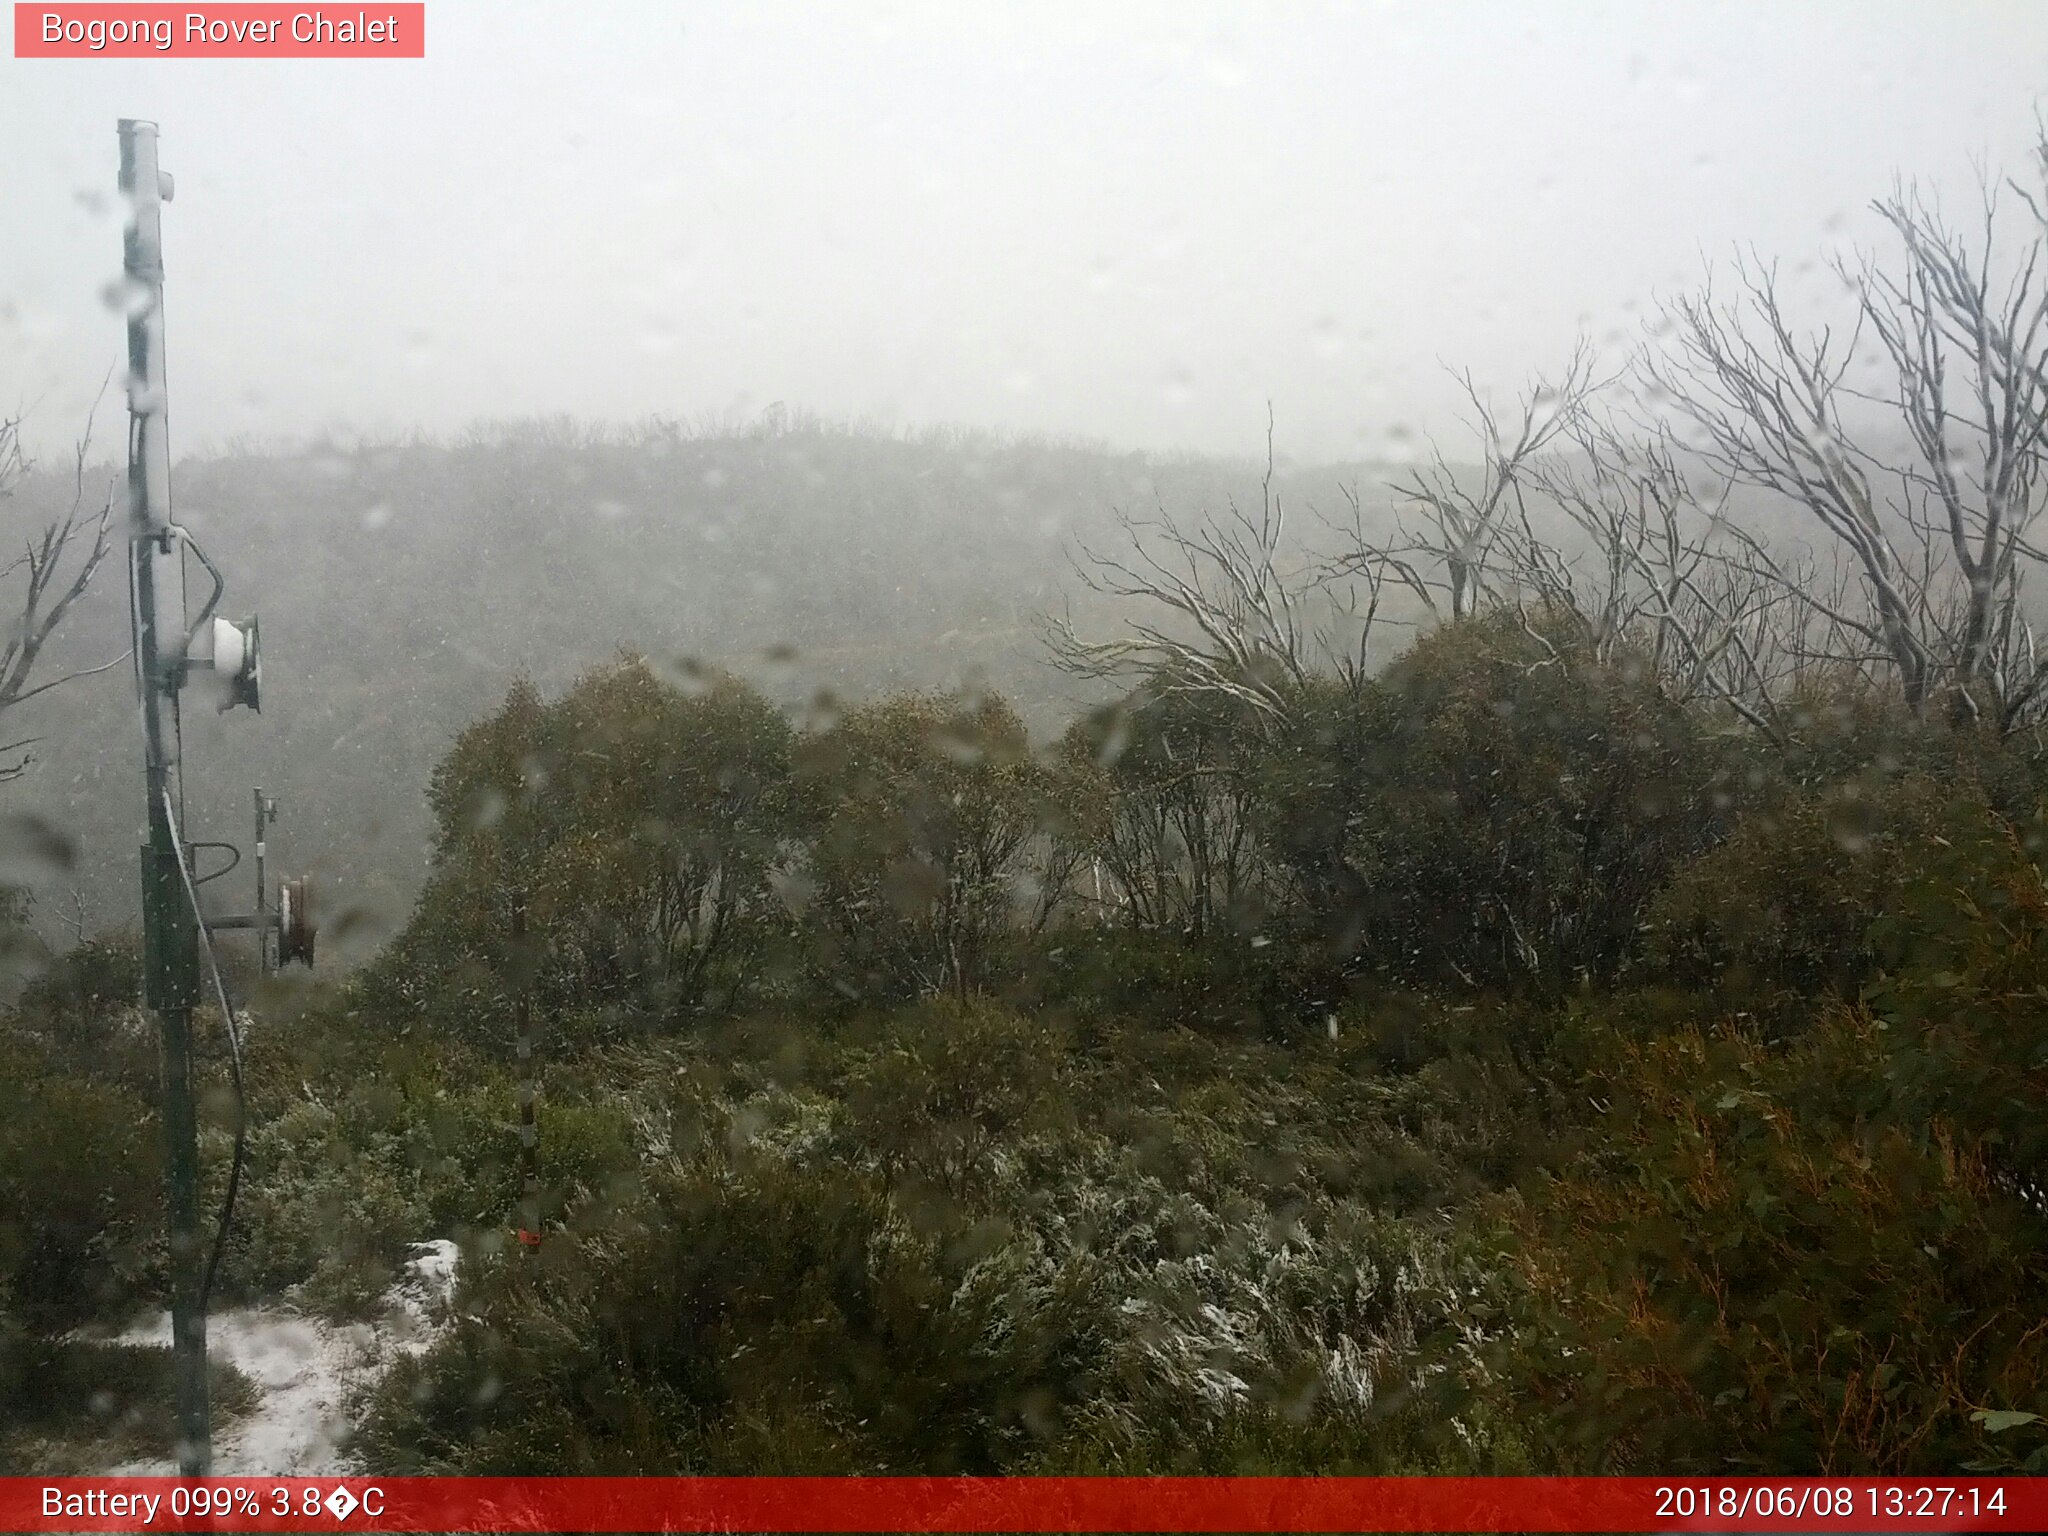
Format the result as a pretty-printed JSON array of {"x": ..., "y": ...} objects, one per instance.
[
  {"x": 170, "y": 930},
  {"x": 168, "y": 652}
]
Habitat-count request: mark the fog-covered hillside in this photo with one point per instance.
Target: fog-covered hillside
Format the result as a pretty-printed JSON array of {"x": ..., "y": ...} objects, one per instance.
[{"x": 403, "y": 586}]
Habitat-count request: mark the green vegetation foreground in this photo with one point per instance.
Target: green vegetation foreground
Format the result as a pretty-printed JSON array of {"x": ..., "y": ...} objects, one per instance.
[{"x": 1503, "y": 1068}]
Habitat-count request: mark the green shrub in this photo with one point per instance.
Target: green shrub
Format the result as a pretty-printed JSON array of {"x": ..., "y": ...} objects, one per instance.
[
  {"x": 81, "y": 1196},
  {"x": 924, "y": 810},
  {"x": 1166, "y": 790},
  {"x": 754, "y": 1319},
  {"x": 1850, "y": 732},
  {"x": 323, "y": 1212},
  {"x": 70, "y": 1406},
  {"x": 360, "y": 1145},
  {"x": 1962, "y": 994},
  {"x": 1787, "y": 901},
  {"x": 1518, "y": 810},
  {"x": 1759, "y": 1261},
  {"x": 84, "y": 1009},
  {"x": 638, "y": 819},
  {"x": 944, "y": 1090},
  {"x": 1270, "y": 984}
]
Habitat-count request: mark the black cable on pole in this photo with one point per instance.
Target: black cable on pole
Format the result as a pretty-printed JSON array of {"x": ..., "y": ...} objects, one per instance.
[
  {"x": 234, "y": 1034},
  {"x": 233, "y": 864},
  {"x": 177, "y": 708}
]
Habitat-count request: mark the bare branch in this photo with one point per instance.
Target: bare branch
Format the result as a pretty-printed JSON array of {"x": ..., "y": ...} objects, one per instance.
[
  {"x": 1938, "y": 540},
  {"x": 56, "y": 566},
  {"x": 1235, "y": 619}
]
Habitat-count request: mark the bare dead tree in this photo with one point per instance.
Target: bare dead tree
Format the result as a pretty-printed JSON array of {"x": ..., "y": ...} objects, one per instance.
[
  {"x": 1229, "y": 616},
  {"x": 1659, "y": 578},
  {"x": 1937, "y": 537},
  {"x": 1592, "y": 534},
  {"x": 75, "y": 914},
  {"x": 56, "y": 565},
  {"x": 1449, "y": 528},
  {"x": 1595, "y": 535}
]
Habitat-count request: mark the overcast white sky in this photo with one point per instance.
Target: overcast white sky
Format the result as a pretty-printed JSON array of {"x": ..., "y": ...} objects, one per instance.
[{"x": 1135, "y": 222}]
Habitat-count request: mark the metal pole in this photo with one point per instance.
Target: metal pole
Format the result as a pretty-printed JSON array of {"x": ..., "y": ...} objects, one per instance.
[
  {"x": 169, "y": 933},
  {"x": 266, "y": 813},
  {"x": 529, "y": 1086}
]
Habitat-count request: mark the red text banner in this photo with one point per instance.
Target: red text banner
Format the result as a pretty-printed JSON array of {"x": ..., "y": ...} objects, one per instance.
[
  {"x": 971, "y": 1504},
  {"x": 241, "y": 31}
]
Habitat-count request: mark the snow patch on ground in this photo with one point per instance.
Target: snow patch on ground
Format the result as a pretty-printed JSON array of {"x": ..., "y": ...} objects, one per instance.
[{"x": 306, "y": 1370}]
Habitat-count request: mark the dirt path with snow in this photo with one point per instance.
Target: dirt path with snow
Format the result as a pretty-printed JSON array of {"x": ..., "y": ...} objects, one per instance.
[{"x": 306, "y": 1370}]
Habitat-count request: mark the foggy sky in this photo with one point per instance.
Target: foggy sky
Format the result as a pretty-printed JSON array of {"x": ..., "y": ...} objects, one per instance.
[{"x": 1129, "y": 222}]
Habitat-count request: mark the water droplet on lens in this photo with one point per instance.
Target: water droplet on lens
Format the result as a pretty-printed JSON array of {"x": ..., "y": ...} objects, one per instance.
[
  {"x": 1853, "y": 824},
  {"x": 32, "y": 849}
]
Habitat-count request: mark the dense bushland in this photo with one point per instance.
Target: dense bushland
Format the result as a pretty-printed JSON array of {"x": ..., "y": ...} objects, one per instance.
[{"x": 1499, "y": 1066}]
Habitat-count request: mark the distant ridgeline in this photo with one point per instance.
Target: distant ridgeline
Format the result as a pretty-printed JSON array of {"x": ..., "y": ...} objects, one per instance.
[{"x": 403, "y": 586}]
